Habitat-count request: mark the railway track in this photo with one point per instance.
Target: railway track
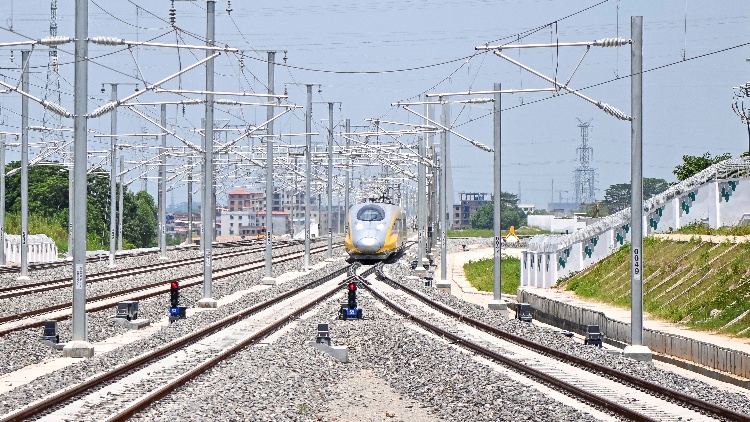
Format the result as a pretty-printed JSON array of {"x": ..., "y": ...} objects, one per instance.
[
  {"x": 8, "y": 269},
  {"x": 43, "y": 286},
  {"x": 35, "y": 318},
  {"x": 125, "y": 390},
  {"x": 616, "y": 392}
]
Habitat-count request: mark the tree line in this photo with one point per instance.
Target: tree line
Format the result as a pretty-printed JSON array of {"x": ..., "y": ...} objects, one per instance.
[{"x": 48, "y": 200}]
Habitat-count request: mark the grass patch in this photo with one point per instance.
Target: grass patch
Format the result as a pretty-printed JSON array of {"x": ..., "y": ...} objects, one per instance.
[
  {"x": 480, "y": 274},
  {"x": 702, "y": 285},
  {"x": 700, "y": 228},
  {"x": 39, "y": 225}
]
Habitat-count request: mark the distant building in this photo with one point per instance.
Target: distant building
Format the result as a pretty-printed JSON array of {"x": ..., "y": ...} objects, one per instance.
[
  {"x": 527, "y": 208},
  {"x": 242, "y": 200},
  {"x": 563, "y": 208},
  {"x": 238, "y": 223},
  {"x": 468, "y": 205},
  {"x": 282, "y": 224}
]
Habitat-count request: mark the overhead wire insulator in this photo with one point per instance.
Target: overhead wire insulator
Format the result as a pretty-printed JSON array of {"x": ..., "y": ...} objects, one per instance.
[
  {"x": 172, "y": 14},
  {"x": 229, "y": 7},
  {"x": 612, "y": 42},
  {"x": 106, "y": 108},
  {"x": 107, "y": 40},
  {"x": 613, "y": 111},
  {"x": 55, "y": 40},
  {"x": 56, "y": 108}
]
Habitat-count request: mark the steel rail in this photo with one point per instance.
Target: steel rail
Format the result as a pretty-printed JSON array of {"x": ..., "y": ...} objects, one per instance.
[
  {"x": 67, "y": 394},
  {"x": 549, "y": 379},
  {"x": 225, "y": 272},
  {"x": 656, "y": 389},
  {"x": 98, "y": 258},
  {"x": 42, "y": 286},
  {"x": 166, "y": 389}
]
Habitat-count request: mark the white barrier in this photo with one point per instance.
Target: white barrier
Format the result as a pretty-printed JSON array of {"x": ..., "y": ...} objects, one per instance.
[
  {"x": 717, "y": 196},
  {"x": 41, "y": 248}
]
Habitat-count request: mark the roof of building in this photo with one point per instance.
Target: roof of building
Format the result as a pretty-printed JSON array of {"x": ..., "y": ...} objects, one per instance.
[
  {"x": 241, "y": 192},
  {"x": 274, "y": 213}
]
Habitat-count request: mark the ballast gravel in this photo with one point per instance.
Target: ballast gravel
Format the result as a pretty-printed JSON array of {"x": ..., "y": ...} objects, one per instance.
[
  {"x": 406, "y": 375},
  {"x": 291, "y": 380},
  {"x": 23, "y": 348}
]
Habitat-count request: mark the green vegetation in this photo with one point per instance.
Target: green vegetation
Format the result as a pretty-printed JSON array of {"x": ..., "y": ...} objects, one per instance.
[
  {"x": 480, "y": 274},
  {"x": 48, "y": 205},
  {"x": 510, "y": 214},
  {"x": 693, "y": 164},
  {"x": 524, "y": 231},
  {"x": 698, "y": 228},
  {"x": 705, "y": 286},
  {"x": 617, "y": 196}
]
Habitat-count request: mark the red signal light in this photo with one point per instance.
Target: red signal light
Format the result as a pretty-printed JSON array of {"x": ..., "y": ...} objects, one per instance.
[
  {"x": 352, "y": 286},
  {"x": 174, "y": 294}
]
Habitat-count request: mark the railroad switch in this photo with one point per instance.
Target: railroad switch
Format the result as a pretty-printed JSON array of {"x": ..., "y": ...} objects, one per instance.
[
  {"x": 323, "y": 343},
  {"x": 127, "y": 316},
  {"x": 127, "y": 309},
  {"x": 50, "y": 336},
  {"x": 323, "y": 335},
  {"x": 594, "y": 336},
  {"x": 524, "y": 312}
]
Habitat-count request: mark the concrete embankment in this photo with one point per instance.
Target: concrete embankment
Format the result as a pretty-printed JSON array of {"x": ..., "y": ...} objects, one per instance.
[
  {"x": 715, "y": 356},
  {"x": 701, "y": 352}
]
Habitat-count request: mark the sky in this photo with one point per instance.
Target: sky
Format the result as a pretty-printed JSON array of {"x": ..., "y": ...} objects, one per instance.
[{"x": 365, "y": 56}]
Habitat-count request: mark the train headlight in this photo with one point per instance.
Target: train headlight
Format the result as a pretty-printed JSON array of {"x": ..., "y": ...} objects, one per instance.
[
  {"x": 381, "y": 226},
  {"x": 359, "y": 226}
]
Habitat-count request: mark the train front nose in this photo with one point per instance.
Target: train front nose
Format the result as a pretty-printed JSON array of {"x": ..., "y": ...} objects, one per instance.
[{"x": 369, "y": 242}]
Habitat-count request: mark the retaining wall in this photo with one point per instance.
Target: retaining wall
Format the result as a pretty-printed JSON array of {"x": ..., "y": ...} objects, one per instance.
[{"x": 575, "y": 319}]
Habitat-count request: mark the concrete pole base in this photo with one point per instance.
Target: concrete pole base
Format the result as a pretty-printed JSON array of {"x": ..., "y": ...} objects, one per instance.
[
  {"x": 23, "y": 278},
  {"x": 340, "y": 353},
  {"x": 420, "y": 272},
  {"x": 133, "y": 324},
  {"x": 640, "y": 353},
  {"x": 268, "y": 281},
  {"x": 497, "y": 305},
  {"x": 443, "y": 286},
  {"x": 164, "y": 258},
  {"x": 78, "y": 349},
  {"x": 208, "y": 302}
]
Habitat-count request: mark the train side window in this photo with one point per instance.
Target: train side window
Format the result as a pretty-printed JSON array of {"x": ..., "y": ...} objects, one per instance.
[{"x": 370, "y": 213}]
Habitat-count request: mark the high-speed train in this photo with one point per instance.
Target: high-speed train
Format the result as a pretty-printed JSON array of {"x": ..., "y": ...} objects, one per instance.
[{"x": 376, "y": 231}]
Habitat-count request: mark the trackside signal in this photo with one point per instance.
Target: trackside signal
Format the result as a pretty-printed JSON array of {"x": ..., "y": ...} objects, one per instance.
[
  {"x": 174, "y": 294},
  {"x": 352, "y": 294},
  {"x": 175, "y": 310},
  {"x": 349, "y": 309}
]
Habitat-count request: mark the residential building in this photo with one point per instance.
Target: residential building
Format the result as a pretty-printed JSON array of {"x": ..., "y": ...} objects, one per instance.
[{"x": 469, "y": 204}]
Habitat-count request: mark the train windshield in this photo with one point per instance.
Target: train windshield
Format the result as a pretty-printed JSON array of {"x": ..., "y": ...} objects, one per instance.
[{"x": 370, "y": 213}]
